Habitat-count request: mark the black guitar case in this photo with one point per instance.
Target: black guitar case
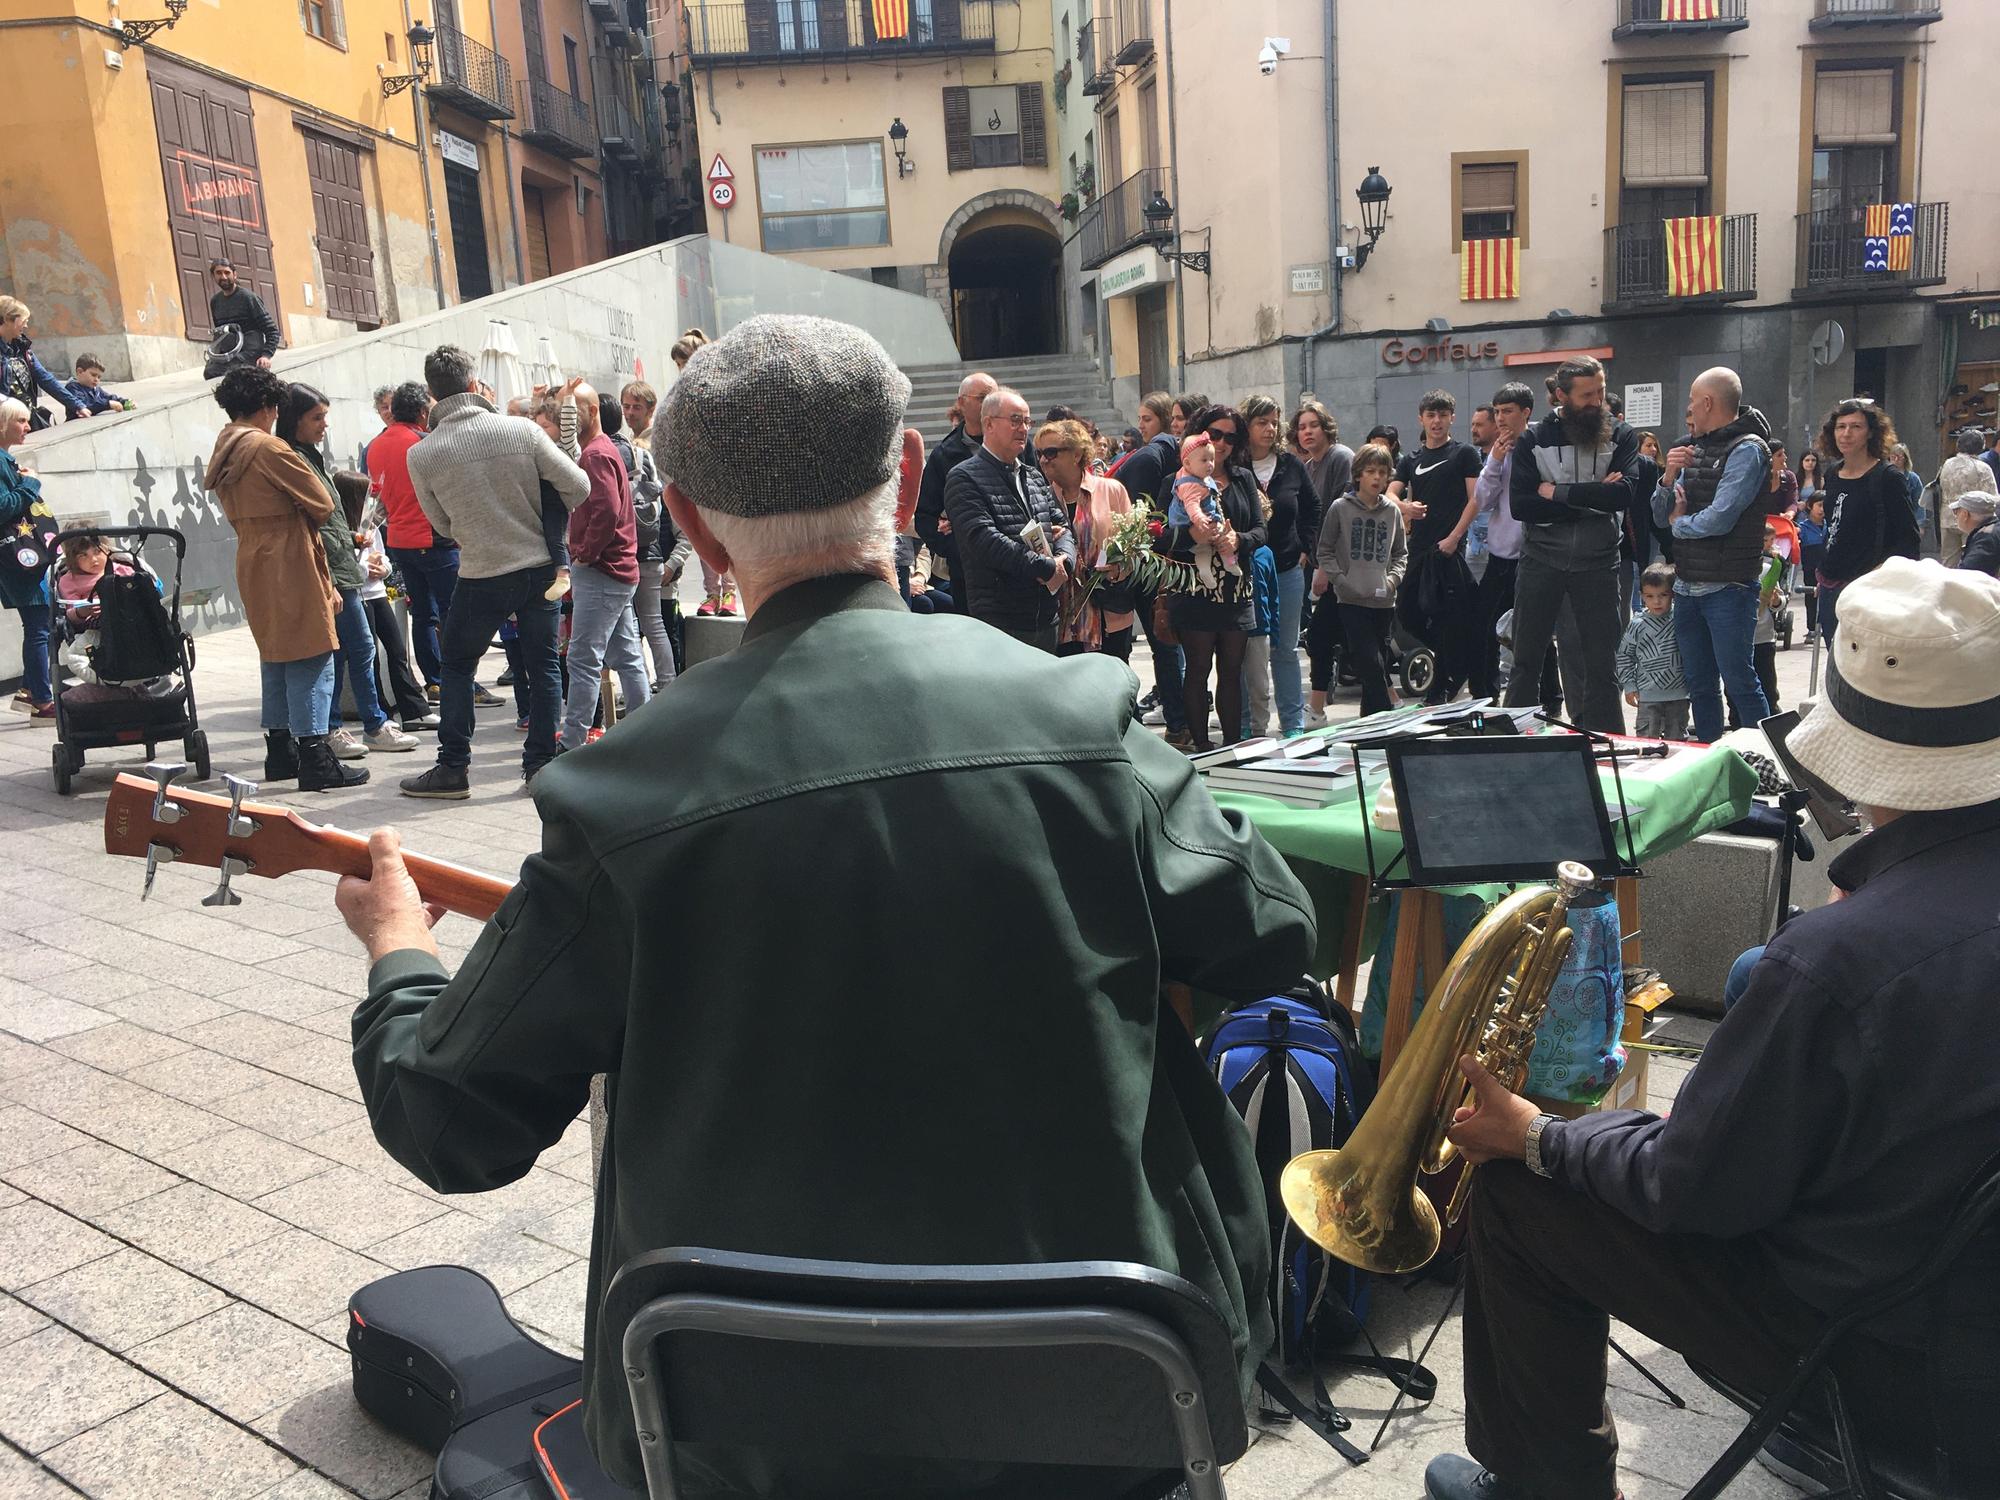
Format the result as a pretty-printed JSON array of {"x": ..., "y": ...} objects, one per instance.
[{"x": 438, "y": 1360}]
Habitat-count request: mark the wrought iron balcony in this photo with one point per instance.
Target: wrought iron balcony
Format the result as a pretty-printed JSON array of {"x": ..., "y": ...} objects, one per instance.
[
  {"x": 1116, "y": 221},
  {"x": 1637, "y": 269},
  {"x": 1135, "y": 33},
  {"x": 556, "y": 121},
  {"x": 1830, "y": 14},
  {"x": 1834, "y": 256},
  {"x": 1093, "y": 56},
  {"x": 1677, "y": 17},
  {"x": 761, "y": 31},
  {"x": 471, "y": 77},
  {"x": 619, "y": 131},
  {"x": 610, "y": 15}
]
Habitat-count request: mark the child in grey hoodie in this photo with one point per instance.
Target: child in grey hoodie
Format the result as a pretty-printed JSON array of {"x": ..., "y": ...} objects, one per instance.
[{"x": 1361, "y": 556}]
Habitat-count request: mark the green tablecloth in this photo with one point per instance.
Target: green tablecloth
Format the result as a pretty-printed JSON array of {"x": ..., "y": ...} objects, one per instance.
[{"x": 1696, "y": 793}]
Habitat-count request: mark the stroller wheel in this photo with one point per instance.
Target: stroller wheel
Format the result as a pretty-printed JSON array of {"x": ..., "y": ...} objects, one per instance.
[
  {"x": 1419, "y": 668},
  {"x": 64, "y": 773},
  {"x": 195, "y": 747}
]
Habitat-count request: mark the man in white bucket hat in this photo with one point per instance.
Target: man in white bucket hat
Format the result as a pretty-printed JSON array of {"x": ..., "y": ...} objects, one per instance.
[{"x": 1826, "y": 1135}]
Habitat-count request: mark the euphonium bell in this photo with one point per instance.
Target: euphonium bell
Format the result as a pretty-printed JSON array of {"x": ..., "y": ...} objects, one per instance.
[{"x": 1362, "y": 1203}]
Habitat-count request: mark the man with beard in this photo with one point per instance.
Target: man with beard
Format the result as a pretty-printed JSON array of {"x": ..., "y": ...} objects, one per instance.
[
  {"x": 1713, "y": 496},
  {"x": 1568, "y": 491}
]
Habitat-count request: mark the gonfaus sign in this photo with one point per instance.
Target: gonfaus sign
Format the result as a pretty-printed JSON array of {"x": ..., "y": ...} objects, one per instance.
[{"x": 1445, "y": 351}]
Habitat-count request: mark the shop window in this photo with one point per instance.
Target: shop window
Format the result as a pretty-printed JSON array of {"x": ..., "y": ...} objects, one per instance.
[{"x": 822, "y": 196}]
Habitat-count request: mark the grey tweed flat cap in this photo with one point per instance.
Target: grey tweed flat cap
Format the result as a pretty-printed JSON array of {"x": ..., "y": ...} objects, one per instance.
[{"x": 782, "y": 414}]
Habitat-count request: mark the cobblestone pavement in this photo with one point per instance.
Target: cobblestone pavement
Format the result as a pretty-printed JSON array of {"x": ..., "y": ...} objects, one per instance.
[{"x": 189, "y": 1189}]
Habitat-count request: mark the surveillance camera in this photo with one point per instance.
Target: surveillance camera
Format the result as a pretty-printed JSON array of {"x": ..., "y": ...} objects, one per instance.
[{"x": 1267, "y": 62}]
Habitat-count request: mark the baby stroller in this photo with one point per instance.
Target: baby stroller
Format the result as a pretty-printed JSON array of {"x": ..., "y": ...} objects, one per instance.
[
  {"x": 142, "y": 659},
  {"x": 1410, "y": 660}
]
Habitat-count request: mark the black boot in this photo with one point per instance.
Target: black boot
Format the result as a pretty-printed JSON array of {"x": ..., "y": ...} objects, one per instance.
[
  {"x": 320, "y": 770},
  {"x": 281, "y": 755}
]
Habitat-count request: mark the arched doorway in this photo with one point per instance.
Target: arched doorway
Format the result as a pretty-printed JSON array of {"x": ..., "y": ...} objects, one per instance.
[{"x": 1005, "y": 266}]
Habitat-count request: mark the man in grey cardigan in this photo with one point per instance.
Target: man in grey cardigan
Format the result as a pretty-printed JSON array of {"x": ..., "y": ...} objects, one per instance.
[{"x": 480, "y": 478}]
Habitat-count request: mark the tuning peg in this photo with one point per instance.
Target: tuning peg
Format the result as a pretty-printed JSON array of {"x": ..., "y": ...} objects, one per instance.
[
  {"x": 240, "y": 827},
  {"x": 222, "y": 895},
  {"x": 157, "y": 855},
  {"x": 164, "y": 773}
]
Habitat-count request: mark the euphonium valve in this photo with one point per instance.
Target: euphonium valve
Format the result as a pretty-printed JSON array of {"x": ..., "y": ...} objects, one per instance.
[{"x": 1361, "y": 1203}]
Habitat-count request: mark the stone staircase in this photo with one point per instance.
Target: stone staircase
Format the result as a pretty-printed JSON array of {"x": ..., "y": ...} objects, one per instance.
[{"x": 1047, "y": 380}]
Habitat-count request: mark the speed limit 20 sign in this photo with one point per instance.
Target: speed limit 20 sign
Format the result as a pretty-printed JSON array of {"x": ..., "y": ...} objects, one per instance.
[{"x": 721, "y": 194}]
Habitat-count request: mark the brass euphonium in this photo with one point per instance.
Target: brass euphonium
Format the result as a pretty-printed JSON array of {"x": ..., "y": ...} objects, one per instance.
[{"x": 1362, "y": 1204}]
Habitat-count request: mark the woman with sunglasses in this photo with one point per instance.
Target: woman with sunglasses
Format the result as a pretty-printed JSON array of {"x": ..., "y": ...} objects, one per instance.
[
  {"x": 1092, "y": 503},
  {"x": 1214, "y": 612}
]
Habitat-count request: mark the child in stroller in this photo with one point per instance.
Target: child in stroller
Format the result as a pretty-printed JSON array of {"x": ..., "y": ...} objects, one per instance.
[{"x": 84, "y": 560}]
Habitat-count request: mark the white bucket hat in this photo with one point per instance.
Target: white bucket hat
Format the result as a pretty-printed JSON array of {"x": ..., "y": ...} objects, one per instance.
[{"x": 1910, "y": 714}]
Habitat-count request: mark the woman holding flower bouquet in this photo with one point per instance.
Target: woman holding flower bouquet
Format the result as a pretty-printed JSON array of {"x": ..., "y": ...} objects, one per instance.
[
  {"x": 1097, "y": 606},
  {"x": 1213, "y": 606}
]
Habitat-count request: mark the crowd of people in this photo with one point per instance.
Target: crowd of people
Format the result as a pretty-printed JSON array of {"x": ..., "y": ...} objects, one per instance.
[{"x": 1568, "y": 560}]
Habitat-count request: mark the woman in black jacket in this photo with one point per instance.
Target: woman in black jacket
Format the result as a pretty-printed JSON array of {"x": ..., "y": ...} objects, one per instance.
[
  {"x": 1868, "y": 517},
  {"x": 1294, "y": 523},
  {"x": 1214, "y": 612}
]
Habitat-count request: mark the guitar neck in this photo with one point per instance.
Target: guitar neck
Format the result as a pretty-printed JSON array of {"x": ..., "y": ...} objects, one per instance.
[{"x": 470, "y": 893}]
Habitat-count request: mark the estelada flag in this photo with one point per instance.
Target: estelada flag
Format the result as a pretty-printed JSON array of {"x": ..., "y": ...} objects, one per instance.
[
  {"x": 1694, "y": 256},
  {"x": 1489, "y": 270},
  {"x": 892, "y": 19},
  {"x": 1687, "y": 10}
]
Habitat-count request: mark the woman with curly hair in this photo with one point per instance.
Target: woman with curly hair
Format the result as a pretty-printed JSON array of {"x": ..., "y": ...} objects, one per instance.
[{"x": 1868, "y": 517}]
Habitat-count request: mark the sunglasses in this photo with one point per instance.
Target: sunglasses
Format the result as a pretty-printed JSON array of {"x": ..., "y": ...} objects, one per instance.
[
  {"x": 1050, "y": 455},
  {"x": 1222, "y": 435}
]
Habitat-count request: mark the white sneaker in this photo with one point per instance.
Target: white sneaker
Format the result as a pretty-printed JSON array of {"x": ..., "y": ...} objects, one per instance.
[
  {"x": 390, "y": 738},
  {"x": 345, "y": 745},
  {"x": 1315, "y": 718}
]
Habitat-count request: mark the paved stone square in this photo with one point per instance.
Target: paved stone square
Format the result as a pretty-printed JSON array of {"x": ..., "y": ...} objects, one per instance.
[{"x": 189, "y": 1190}]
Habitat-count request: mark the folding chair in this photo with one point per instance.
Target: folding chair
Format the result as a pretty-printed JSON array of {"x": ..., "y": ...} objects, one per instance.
[
  {"x": 1092, "y": 1363},
  {"x": 1959, "y": 1458}
]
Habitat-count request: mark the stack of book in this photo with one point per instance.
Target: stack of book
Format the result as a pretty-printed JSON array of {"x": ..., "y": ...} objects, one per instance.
[{"x": 1301, "y": 772}]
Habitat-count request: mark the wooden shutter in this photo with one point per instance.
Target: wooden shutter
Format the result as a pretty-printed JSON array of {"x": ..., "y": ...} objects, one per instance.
[
  {"x": 833, "y": 25},
  {"x": 533, "y": 40},
  {"x": 957, "y": 129},
  {"x": 1666, "y": 134},
  {"x": 1855, "y": 107},
  {"x": 1034, "y": 129},
  {"x": 536, "y": 222},
  {"x": 946, "y": 23},
  {"x": 1487, "y": 188},
  {"x": 761, "y": 20}
]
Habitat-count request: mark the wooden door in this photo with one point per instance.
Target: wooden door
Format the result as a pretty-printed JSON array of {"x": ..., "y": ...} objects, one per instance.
[
  {"x": 340, "y": 230},
  {"x": 215, "y": 197},
  {"x": 536, "y": 223}
]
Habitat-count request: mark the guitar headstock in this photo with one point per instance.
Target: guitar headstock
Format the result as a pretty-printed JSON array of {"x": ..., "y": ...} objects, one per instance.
[{"x": 152, "y": 819}]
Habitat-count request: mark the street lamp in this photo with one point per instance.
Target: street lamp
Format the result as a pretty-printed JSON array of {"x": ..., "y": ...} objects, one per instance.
[
  {"x": 421, "y": 38},
  {"x": 899, "y": 135},
  {"x": 1374, "y": 195},
  {"x": 140, "y": 31},
  {"x": 1159, "y": 221}
]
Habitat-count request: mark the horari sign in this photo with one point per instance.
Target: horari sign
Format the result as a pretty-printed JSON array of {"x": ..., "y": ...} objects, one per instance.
[
  {"x": 218, "y": 190},
  {"x": 1446, "y": 351}
]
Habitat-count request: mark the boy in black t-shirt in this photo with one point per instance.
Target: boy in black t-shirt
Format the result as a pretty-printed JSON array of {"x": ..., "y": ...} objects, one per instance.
[{"x": 1433, "y": 488}]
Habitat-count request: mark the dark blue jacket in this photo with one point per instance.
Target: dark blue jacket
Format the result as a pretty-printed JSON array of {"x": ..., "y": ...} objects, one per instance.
[{"x": 88, "y": 400}]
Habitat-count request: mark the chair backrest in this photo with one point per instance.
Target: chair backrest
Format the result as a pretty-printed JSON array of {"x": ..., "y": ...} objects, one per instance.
[
  {"x": 1963, "y": 1315},
  {"x": 1078, "y": 1363}
]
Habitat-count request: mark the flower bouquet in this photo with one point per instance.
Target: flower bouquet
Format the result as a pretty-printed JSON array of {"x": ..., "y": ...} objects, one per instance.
[{"x": 1126, "y": 555}]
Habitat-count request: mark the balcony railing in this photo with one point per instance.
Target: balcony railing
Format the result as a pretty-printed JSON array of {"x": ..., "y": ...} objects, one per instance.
[
  {"x": 1117, "y": 220},
  {"x": 556, "y": 121},
  {"x": 1678, "y": 17},
  {"x": 780, "y": 30},
  {"x": 1834, "y": 254},
  {"x": 610, "y": 15},
  {"x": 1636, "y": 265},
  {"x": 619, "y": 132},
  {"x": 1135, "y": 32},
  {"x": 471, "y": 77},
  {"x": 1093, "y": 56},
  {"x": 1838, "y": 13}
]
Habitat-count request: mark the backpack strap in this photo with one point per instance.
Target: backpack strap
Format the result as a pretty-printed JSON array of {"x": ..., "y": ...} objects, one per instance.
[{"x": 1322, "y": 1416}]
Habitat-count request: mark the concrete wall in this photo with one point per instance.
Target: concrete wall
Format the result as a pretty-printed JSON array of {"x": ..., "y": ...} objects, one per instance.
[{"x": 608, "y": 322}]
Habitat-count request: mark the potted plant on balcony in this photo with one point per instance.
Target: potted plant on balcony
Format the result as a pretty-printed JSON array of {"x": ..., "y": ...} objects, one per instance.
[
  {"x": 1086, "y": 182},
  {"x": 1071, "y": 207}
]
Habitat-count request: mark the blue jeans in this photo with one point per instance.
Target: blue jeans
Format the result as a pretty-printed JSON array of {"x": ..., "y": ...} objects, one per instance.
[
  {"x": 35, "y": 651},
  {"x": 430, "y": 576},
  {"x": 1287, "y": 685},
  {"x": 1714, "y": 632},
  {"x": 603, "y": 631},
  {"x": 298, "y": 695},
  {"x": 357, "y": 656},
  {"x": 478, "y": 609},
  {"x": 1739, "y": 977}
]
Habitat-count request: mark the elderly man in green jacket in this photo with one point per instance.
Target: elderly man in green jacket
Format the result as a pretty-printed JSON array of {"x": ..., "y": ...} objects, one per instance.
[{"x": 732, "y": 917}]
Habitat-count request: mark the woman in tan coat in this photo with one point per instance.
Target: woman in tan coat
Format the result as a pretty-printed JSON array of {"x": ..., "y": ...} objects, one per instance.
[{"x": 277, "y": 506}]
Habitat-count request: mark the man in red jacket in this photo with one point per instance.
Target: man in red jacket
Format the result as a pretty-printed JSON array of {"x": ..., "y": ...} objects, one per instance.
[{"x": 604, "y": 574}]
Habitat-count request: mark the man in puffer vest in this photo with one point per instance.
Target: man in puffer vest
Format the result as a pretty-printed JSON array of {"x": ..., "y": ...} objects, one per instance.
[{"x": 1713, "y": 496}]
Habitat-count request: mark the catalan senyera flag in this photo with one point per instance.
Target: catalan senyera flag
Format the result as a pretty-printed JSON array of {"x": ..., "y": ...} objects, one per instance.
[
  {"x": 1694, "y": 256},
  {"x": 1489, "y": 270},
  {"x": 892, "y": 19},
  {"x": 1687, "y": 10}
]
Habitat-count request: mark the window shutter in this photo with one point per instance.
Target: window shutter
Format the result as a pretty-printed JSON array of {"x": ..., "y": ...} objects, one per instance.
[
  {"x": 833, "y": 25},
  {"x": 1034, "y": 129},
  {"x": 957, "y": 129},
  {"x": 1666, "y": 134},
  {"x": 946, "y": 23},
  {"x": 760, "y": 22},
  {"x": 1855, "y": 107},
  {"x": 1487, "y": 188}
]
